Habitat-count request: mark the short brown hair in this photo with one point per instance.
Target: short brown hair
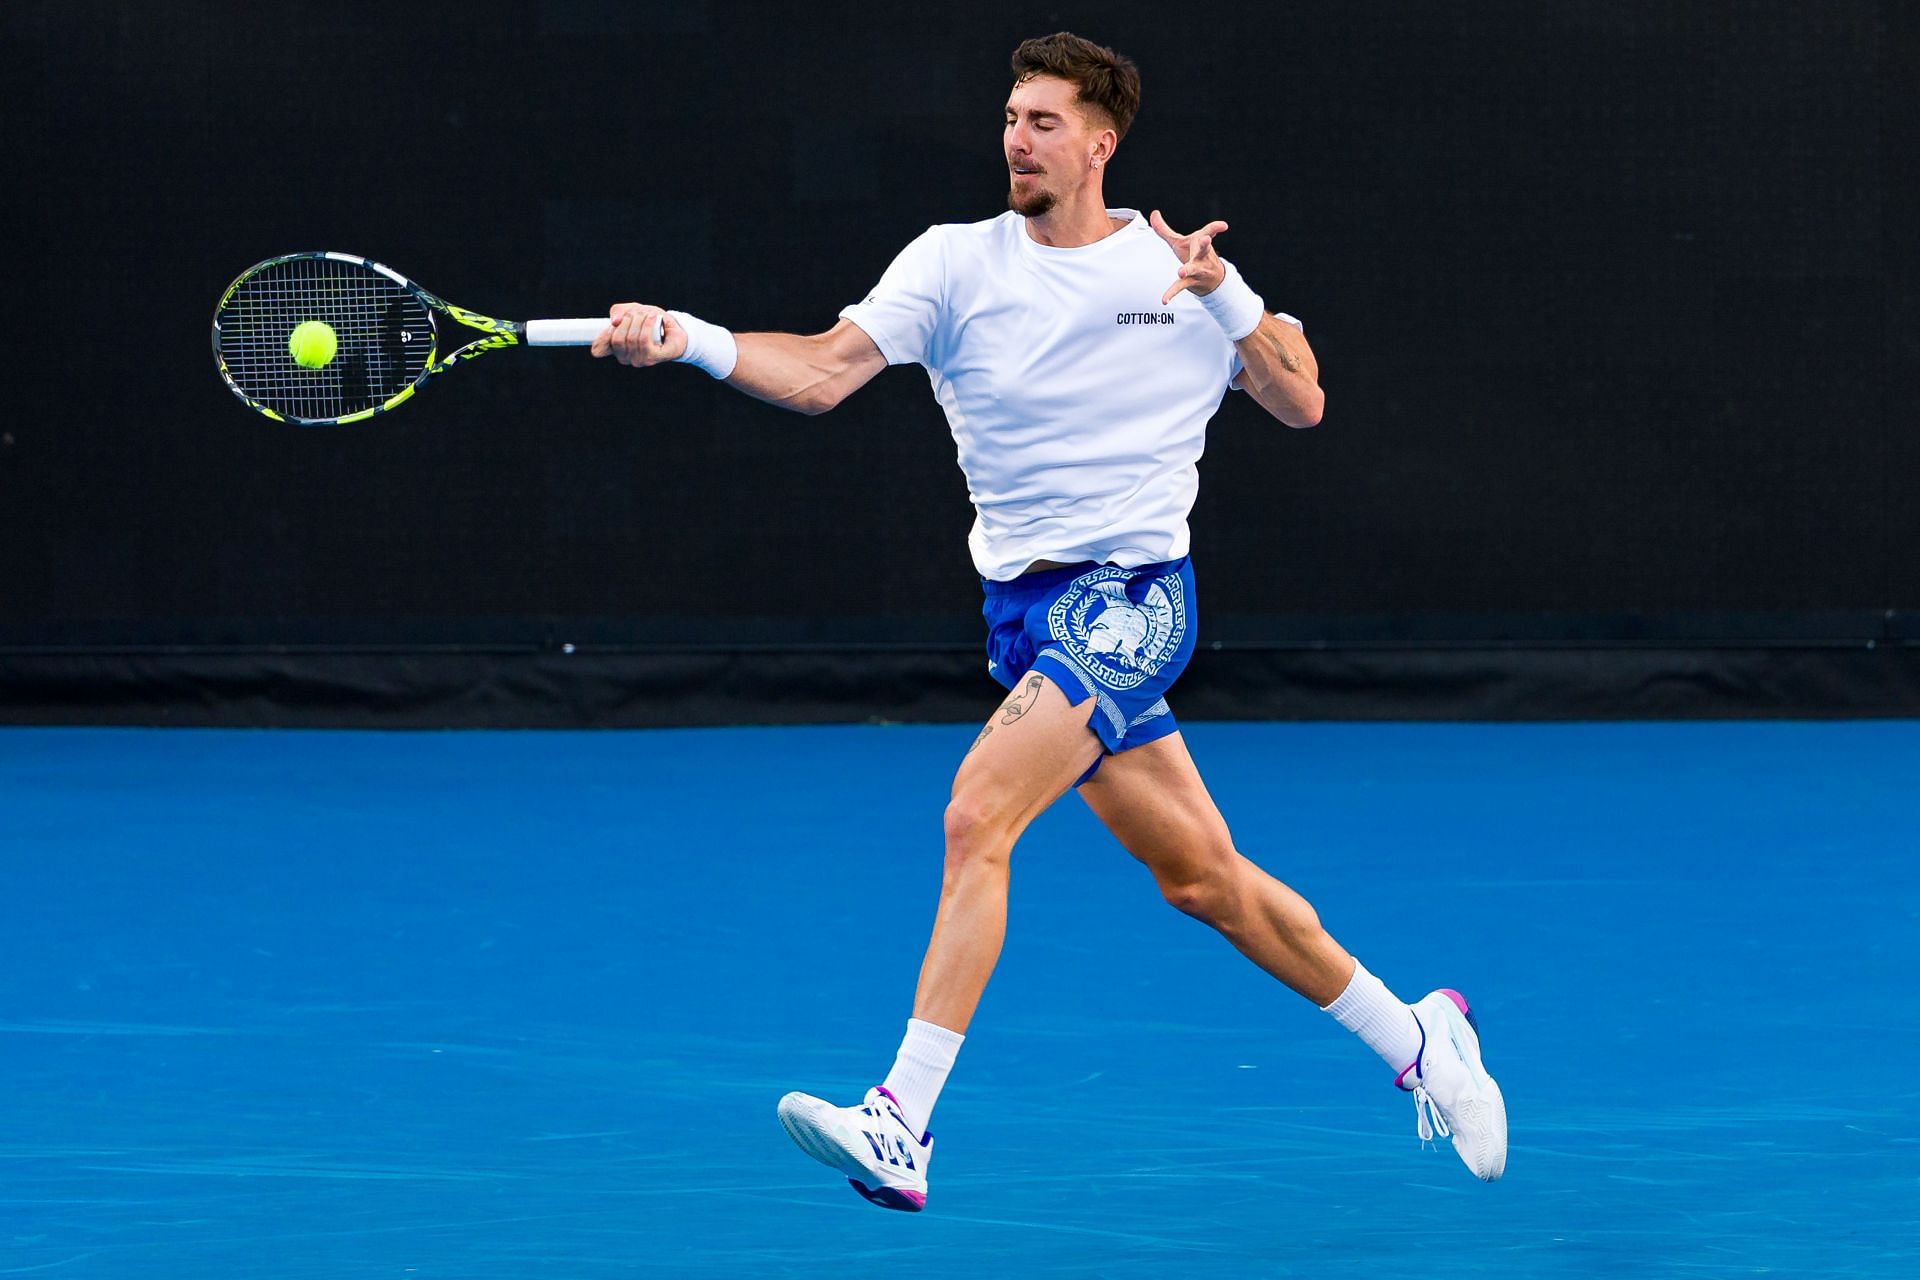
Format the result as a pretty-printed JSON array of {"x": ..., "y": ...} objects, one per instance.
[{"x": 1107, "y": 81}]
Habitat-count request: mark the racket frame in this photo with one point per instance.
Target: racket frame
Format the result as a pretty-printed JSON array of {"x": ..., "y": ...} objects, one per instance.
[{"x": 493, "y": 335}]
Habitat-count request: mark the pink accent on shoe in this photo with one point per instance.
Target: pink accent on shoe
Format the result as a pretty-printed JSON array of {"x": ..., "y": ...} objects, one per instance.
[
  {"x": 1456, "y": 997},
  {"x": 1399, "y": 1081},
  {"x": 891, "y": 1197}
]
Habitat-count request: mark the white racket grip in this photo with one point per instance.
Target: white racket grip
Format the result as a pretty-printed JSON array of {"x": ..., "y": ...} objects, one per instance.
[{"x": 576, "y": 333}]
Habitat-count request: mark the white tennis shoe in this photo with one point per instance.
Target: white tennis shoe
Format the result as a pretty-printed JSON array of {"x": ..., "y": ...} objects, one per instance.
[
  {"x": 1453, "y": 1095},
  {"x": 871, "y": 1144}
]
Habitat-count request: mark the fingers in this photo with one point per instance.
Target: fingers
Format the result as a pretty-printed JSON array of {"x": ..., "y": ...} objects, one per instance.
[
  {"x": 638, "y": 335},
  {"x": 1203, "y": 271},
  {"x": 1184, "y": 282},
  {"x": 1186, "y": 279},
  {"x": 630, "y": 334},
  {"x": 1178, "y": 241},
  {"x": 603, "y": 345},
  {"x": 634, "y": 337}
]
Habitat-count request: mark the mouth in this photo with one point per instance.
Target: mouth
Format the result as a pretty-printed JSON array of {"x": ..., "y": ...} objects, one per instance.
[{"x": 1024, "y": 171}]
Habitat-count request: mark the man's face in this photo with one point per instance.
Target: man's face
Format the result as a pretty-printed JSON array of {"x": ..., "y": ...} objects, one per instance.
[{"x": 1049, "y": 143}]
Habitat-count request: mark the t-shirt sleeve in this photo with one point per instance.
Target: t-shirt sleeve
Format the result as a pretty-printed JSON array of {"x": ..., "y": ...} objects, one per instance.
[{"x": 902, "y": 312}]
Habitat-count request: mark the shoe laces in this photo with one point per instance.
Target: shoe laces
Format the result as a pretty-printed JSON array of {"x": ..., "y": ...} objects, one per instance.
[{"x": 1427, "y": 1116}]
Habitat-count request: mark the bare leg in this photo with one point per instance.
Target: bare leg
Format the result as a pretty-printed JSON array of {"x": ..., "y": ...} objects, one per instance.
[
  {"x": 1154, "y": 802},
  {"x": 1031, "y": 750}
]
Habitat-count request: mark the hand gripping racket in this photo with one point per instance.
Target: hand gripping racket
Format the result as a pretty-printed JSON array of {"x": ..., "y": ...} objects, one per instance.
[{"x": 386, "y": 328}]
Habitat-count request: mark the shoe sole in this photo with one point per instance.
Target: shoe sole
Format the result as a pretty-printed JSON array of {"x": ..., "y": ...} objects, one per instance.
[
  {"x": 888, "y": 1198},
  {"x": 831, "y": 1152}
]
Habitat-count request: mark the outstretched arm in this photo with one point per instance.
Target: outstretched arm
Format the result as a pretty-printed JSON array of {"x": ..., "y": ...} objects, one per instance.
[
  {"x": 1280, "y": 371},
  {"x": 808, "y": 373}
]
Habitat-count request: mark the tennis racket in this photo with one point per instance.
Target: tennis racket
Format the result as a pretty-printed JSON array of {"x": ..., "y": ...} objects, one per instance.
[{"x": 386, "y": 327}]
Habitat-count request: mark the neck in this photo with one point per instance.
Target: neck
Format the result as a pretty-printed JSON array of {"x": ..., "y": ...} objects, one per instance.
[{"x": 1079, "y": 220}]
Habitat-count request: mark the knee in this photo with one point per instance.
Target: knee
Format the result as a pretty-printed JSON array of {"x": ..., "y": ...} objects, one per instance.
[
  {"x": 1206, "y": 888},
  {"x": 975, "y": 833},
  {"x": 1196, "y": 898}
]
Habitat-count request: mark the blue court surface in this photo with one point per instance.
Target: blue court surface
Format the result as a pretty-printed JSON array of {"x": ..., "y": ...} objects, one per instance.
[{"x": 511, "y": 1004}]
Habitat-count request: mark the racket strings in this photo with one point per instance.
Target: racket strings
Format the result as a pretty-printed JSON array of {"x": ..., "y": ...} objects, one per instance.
[{"x": 385, "y": 336}]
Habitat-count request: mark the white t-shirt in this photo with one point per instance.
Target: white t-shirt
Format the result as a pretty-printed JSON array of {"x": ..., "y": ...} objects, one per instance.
[{"x": 1079, "y": 403}]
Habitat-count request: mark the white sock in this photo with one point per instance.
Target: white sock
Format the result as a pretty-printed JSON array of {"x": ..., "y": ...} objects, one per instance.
[
  {"x": 920, "y": 1072},
  {"x": 1378, "y": 1017}
]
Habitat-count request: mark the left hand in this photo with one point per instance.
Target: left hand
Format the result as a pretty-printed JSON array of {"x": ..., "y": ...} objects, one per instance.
[{"x": 1200, "y": 267}]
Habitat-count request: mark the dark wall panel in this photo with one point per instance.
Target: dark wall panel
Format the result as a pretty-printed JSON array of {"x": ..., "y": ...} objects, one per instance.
[{"x": 1614, "y": 305}]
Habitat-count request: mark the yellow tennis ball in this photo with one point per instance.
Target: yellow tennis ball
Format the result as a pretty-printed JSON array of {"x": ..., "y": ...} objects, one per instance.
[{"x": 312, "y": 344}]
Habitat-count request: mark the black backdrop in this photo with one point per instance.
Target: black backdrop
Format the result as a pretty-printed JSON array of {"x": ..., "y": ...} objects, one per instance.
[{"x": 1613, "y": 301}]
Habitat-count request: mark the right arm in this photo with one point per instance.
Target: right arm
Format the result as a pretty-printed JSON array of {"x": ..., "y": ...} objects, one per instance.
[{"x": 806, "y": 373}]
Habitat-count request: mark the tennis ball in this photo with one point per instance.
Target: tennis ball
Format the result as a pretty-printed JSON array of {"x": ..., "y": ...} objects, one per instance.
[{"x": 312, "y": 344}]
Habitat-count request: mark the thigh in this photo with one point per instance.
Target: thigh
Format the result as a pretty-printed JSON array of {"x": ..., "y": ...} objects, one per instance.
[
  {"x": 1032, "y": 748},
  {"x": 1153, "y": 800}
]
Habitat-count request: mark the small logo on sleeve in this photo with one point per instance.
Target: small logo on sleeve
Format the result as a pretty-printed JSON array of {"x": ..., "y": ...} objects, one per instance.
[{"x": 1144, "y": 317}]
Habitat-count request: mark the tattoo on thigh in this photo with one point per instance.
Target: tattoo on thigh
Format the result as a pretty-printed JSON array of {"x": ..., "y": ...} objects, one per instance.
[
  {"x": 1023, "y": 700},
  {"x": 1018, "y": 703}
]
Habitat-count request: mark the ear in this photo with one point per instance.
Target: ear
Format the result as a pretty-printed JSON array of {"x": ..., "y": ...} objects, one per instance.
[{"x": 1103, "y": 144}]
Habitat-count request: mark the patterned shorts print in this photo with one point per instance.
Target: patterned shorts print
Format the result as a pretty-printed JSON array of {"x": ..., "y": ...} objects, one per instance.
[{"x": 1120, "y": 637}]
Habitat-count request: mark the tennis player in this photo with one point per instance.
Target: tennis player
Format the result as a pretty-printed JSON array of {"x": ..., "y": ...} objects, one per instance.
[{"x": 1078, "y": 352}]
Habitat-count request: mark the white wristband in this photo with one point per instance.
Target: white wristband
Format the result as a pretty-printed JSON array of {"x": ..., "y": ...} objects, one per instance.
[
  {"x": 1234, "y": 306},
  {"x": 709, "y": 347}
]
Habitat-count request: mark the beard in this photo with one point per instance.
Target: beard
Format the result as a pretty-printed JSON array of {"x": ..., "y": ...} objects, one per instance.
[{"x": 1030, "y": 204}]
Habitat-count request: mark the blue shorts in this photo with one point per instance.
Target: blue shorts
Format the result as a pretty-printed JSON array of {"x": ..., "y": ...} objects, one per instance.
[{"x": 1120, "y": 637}]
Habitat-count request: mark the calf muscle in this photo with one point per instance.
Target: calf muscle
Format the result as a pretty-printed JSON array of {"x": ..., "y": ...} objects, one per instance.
[{"x": 1154, "y": 802}]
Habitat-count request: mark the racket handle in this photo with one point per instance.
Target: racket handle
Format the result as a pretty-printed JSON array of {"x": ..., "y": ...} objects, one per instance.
[{"x": 575, "y": 333}]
